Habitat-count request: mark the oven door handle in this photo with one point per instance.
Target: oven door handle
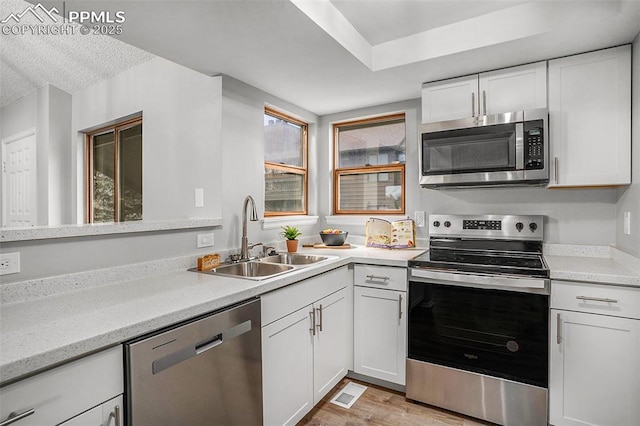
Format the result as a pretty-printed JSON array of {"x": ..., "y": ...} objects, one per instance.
[{"x": 459, "y": 278}]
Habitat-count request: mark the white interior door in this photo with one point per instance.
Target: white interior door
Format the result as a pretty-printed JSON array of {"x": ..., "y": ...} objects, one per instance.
[{"x": 19, "y": 192}]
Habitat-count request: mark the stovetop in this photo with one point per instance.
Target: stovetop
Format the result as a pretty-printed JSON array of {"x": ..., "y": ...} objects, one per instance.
[{"x": 494, "y": 244}]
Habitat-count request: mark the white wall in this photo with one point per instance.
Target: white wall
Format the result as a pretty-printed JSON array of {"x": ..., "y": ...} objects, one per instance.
[
  {"x": 48, "y": 110},
  {"x": 243, "y": 159},
  {"x": 629, "y": 197},
  {"x": 181, "y": 130},
  {"x": 577, "y": 216}
]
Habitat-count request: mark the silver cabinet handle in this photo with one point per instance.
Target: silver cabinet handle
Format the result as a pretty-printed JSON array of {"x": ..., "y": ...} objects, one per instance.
[
  {"x": 115, "y": 414},
  {"x": 596, "y": 299},
  {"x": 14, "y": 417},
  {"x": 559, "y": 330},
  {"x": 313, "y": 321},
  {"x": 484, "y": 101},
  {"x": 378, "y": 277},
  {"x": 320, "y": 320},
  {"x": 555, "y": 169},
  {"x": 473, "y": 104},
  {"x": 399, "y": 306}
]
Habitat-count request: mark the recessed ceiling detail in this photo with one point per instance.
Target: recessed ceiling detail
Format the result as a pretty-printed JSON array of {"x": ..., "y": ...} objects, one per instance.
[{"x": 505, "y": 22}]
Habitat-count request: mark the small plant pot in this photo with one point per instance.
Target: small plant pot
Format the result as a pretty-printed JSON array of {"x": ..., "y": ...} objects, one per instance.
[{"x": 292, "y": 246}]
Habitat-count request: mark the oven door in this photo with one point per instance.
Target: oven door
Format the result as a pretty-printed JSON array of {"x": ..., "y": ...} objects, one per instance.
[
  {"x": 473, "y": 156},
  {"x": 488, "y": 331}
]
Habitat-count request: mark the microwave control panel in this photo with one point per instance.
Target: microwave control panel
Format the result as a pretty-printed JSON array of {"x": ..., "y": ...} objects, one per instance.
[{"x": 534, "y": 148}]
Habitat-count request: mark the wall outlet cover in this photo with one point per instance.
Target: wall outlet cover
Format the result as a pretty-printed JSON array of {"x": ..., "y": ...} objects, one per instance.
[
  {"x": 205, "y": 240},
  {"x": 9, "y": 263},
  {"x": 420, "y": 219}
]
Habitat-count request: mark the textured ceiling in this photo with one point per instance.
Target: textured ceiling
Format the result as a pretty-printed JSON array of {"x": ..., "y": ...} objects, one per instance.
[{"x": 70, "y": 62}]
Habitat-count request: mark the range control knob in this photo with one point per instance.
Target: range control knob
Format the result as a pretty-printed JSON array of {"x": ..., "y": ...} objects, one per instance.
[
  {"x": 519, "y": 226},
  {"x": 533, "y": 226},
  {"x": 436, "y": 223},
  {"x": 447, "y": 224}
]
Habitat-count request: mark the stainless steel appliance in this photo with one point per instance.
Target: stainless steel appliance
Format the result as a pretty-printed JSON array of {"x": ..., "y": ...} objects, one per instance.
[
  {"x": 491, "y": 150},
  {"x": 204, "y": 372},
  {"x": 479, "y": 318}
]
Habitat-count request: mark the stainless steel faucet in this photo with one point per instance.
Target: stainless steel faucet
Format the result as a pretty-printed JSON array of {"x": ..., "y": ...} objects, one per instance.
[{"x": 244, "y": 251}]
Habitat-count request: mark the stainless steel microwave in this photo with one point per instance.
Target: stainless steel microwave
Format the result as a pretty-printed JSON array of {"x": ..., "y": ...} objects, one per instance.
[{"x": 493, "y": 150}]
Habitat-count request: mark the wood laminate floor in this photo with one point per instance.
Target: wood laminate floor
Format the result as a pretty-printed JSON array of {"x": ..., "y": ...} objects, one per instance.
[{"x": 380, "y": 406}]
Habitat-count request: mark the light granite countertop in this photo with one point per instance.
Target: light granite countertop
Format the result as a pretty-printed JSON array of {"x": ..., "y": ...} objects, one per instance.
[
  {"x": 595, "y": 264},
  {"x": 37, "y": 334}
]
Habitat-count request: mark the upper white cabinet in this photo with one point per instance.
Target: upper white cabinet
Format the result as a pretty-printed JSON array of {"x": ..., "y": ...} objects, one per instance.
[
  {"x": 590, "y": 118},
  {"x": 511, "y": 89},
  {"x": 594, "y": 350}
]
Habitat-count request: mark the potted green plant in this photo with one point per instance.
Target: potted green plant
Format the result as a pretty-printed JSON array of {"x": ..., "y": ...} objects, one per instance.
[{"x": 291, "y": 233}]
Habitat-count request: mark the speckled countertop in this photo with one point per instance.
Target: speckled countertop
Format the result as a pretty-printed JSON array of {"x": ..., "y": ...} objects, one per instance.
[
  {"x": 40, "y": 333},
  {"x": 595, "y": 264}
]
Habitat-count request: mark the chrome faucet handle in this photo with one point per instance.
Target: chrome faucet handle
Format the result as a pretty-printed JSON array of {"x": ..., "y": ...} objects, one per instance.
[
  {"x": 235, "y": 257},
  {"x": 268, "y": 251},
  {"x": 250, "y": 246}
]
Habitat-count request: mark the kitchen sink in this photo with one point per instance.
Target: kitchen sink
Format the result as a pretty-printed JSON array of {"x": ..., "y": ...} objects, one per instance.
[
  {"x": 293, "y": 259},
  {"x": 252, "y": 270}
]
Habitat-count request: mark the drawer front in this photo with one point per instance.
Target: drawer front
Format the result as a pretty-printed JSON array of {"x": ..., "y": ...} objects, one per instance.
[
  {"x": 66, "y": 391},
  {"x": 388, "y": 277},
  {"x": 596, "y": 298},
  {"x": 280, "y": 303}
]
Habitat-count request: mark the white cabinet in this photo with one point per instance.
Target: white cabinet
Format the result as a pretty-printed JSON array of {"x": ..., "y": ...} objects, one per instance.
[
  {"x": 380, "y": 322},
  {"x": 590, "y": 118},
  {"x": 59, "y": 394},
  {"x": 594, "y": 351},
  {"x": 511, "y": 89},
  {"x": 107, "y": 414},
  {"x": 305, "y": 353}
]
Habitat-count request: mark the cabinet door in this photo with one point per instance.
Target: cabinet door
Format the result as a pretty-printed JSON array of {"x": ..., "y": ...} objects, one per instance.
[
  {"x": 331, "y": 343},
  {"x": 594, "y": 370},
  {"x": 380, "y": 336},
  {"x": 590, "y": 118},
  {"x": 513, "y": 89},
  {"x": 450, "y": 99},
  {"x": 287, "y": 369}
]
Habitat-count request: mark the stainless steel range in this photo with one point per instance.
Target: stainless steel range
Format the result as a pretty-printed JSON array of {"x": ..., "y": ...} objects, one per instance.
[{"x": 479, "y": 319}]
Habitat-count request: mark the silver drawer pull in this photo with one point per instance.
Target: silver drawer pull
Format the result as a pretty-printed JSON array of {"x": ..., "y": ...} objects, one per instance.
[
  {"x": 559, "y": 330},
  {"x": 378, "y": 277},
  {"x": 596, "y": 299},
  {"x": 14, "y": 417}
]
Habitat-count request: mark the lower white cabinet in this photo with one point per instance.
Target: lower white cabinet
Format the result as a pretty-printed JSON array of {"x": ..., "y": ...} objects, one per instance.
[
  {"x": 107, "y": 414},
  {"x": 305, "y": 353},
  {"x": 79, "y": 390},
  {"x": 594, "y": 357},
  {"x": 380, "y": 322}
]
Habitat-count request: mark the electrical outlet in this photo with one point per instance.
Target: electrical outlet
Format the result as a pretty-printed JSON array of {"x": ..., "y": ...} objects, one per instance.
[
  {"x": 205, "y": 240},
  {"x": 420, "y": 220},
  {"x": 627, "y": 223},
  {"x": 9, "y": 263}
]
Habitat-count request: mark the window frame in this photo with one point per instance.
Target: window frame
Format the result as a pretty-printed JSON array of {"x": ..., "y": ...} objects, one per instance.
[
  {"x": 378, "y": 168},
  {"x": 303, "y": 171},
  {"x": 88, "y": 162}
]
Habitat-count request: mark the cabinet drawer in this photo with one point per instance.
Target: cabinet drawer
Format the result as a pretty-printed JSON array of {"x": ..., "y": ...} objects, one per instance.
[
  {"x": 66, "y": 391},
  {"x": 596, "y": 298},
  {"x": 381, "y": 277}
]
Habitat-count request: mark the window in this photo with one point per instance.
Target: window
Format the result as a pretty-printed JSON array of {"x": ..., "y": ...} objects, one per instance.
[
  {"x": 114, "y": 173},
  {"x": 285, "y": 164},
  {"x": 369, "y": 166}
]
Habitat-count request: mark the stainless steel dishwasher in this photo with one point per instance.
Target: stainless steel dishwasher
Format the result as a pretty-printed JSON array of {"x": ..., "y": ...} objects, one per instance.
[{"x": 207, "y": 371}]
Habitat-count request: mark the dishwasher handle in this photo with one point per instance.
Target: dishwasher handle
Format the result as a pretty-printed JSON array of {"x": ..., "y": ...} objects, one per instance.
[{"x": 201, "y": 347}]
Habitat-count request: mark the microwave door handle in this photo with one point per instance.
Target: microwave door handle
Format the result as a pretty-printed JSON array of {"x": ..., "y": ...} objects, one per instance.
[{"x": 519, "y": 146}]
